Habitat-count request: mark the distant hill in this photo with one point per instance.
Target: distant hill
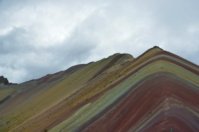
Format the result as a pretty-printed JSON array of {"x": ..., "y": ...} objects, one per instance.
[{"x": 157, "y": 91}]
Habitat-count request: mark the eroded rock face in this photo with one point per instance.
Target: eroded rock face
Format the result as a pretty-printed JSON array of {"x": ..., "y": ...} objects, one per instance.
[{"x": 3, "y": 80}]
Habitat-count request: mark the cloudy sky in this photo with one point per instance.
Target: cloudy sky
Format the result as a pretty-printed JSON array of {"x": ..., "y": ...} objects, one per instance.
[{"x": 45, "y": 36}]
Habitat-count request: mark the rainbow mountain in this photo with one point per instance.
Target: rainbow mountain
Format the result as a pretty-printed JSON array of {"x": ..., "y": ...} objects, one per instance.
[{"x": 155, "y": 92}]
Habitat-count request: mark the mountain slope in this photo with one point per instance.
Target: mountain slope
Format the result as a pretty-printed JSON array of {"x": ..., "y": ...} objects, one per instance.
[{"x": 158, "y": 91}]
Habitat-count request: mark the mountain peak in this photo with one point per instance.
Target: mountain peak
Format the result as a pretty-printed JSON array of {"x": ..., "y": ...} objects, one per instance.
[{"x": 156, "y": 47}]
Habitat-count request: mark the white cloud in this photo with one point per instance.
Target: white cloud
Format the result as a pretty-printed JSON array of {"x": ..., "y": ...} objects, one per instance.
[{"x": 35, "y": 33}]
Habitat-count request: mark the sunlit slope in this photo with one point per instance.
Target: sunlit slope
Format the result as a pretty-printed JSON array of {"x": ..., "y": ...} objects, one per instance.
[
  {"x": 69, "y": 104},
  {"x": 154, "y": 91},
  {"x": 51, "y": 95},
  {"x": 161, "y": 62},
  {"x": 91, "y": 109},
  {"x": 5, "y": 93}
]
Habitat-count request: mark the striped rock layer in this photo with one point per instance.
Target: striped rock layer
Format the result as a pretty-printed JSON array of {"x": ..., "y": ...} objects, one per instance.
[{"x": 155, "y": 92}]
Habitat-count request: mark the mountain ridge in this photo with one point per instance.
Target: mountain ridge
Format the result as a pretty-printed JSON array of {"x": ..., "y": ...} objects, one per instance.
[{"x": 77, "y": 98}]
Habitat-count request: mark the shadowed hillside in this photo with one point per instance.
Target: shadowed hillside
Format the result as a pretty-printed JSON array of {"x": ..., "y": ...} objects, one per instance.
[{"x": 157, "y": 91}]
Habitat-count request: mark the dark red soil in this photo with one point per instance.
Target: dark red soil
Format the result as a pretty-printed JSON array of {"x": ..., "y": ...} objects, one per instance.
[{"x": 140, "y": 102}]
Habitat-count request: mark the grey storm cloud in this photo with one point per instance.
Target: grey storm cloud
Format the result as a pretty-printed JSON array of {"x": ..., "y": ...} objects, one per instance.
[
  {"x": 40, "y": 37},
  {"x": 18, "y": 54},
  {"x": 15, "y": 41}
]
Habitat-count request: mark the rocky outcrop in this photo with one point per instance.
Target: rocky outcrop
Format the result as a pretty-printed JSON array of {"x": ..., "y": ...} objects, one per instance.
[{"x": 3, "y": 80}]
